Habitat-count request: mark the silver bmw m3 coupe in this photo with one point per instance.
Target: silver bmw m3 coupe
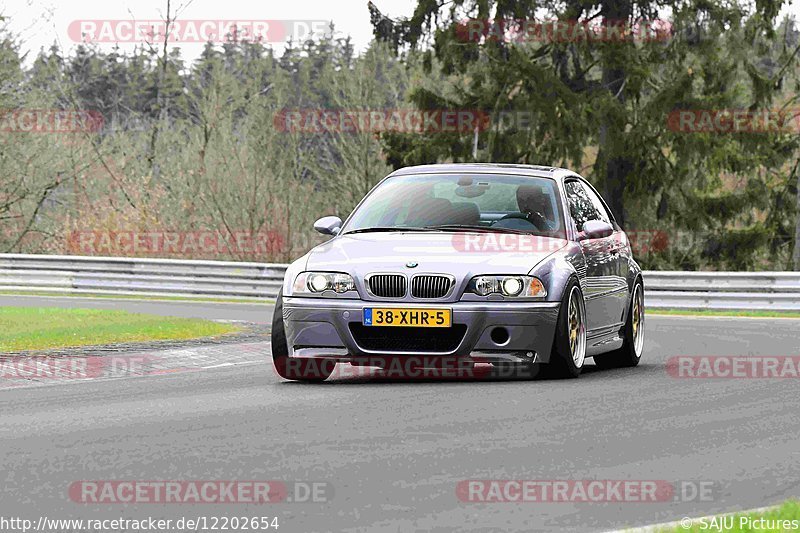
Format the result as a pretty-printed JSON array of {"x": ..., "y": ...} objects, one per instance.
[{"x": 521, "y": 267}]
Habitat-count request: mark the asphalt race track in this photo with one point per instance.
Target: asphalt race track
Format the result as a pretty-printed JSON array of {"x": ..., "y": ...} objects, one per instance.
[{"x": 393, "y": 452}]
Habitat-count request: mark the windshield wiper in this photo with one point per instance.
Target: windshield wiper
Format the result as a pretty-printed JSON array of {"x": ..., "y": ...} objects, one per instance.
[
  {"x": 377, "y": 229},
  {"x": 485, "y": 229}
]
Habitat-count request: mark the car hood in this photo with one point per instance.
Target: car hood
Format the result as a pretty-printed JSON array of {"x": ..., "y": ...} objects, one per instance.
[{"x": 461, "y": 254}]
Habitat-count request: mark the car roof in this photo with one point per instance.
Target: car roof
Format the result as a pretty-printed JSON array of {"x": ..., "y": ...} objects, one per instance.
[{"x": 487, "y": 168}]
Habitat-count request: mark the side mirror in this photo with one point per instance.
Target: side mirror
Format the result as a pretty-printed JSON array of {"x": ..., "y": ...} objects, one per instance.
[
  {"x": 328, "y": 225},
  {"x": 596, "y": 229}
]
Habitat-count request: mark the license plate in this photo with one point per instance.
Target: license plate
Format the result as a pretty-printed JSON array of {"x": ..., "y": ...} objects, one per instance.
[{"x": 389, "y": 316}]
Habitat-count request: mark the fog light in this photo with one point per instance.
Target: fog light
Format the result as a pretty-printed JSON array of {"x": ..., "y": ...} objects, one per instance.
[{"x": 499, "y": 336}]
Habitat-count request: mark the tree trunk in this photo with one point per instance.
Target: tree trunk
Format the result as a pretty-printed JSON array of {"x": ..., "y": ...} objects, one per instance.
[
  {"x": 159, "y": 104},
  {"x": 613, "y": 167}
]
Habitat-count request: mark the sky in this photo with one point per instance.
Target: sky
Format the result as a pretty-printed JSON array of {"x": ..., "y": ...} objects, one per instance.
[{"x": 39, "y": 23}]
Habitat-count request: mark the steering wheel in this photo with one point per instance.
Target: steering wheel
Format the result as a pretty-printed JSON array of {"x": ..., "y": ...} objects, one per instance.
[{"x": 535, "y": 218}]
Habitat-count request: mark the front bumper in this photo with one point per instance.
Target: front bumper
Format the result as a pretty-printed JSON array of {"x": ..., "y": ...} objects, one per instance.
[{"x": 324, "y": 328}]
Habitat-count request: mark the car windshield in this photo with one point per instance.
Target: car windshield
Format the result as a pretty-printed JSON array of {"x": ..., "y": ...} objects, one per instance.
[{"x": 461, "y": 202}]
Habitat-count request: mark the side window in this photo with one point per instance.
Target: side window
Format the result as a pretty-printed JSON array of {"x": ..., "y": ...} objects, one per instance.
[
  {"x": 584, "y": 204},
  {"x": 598, "y": 205}
]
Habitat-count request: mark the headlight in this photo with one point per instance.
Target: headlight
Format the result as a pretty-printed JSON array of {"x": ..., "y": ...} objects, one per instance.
[
  {"x": 317, "y": 282},
  {"x": 511, "y": 286}
]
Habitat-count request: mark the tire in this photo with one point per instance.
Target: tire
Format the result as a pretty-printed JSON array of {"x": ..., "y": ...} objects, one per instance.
[
  {"x": 569, "y": 345},
  {"x": 308, "y": 370},
  {"x": 630, "y": 353}
]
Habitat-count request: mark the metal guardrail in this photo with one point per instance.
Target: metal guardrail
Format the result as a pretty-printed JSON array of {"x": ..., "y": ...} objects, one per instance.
[
  {"x": 136, "y": 276},
  {"x": 778, "y": 291},
  {"x": 221, "y": 279}
]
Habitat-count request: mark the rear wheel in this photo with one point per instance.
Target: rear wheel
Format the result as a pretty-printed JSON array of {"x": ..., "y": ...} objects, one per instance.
[
  {"x": 633, "y": 335},
  {"x": 310, "y": 370},
  {"x": 569, "y": 346}
]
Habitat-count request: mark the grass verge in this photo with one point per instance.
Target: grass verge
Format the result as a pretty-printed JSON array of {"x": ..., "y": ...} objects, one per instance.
[
  {"x": 732, "y": 312},
  {"x": 785, "y": 517},
  {"x": 40, "y": 328}
]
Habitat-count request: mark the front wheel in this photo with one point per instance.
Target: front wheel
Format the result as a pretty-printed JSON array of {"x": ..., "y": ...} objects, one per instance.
[
  {"x": 309, "y": 370},
  {"x": 633, "y": 335},
  {"x": 569, "y": 346}
]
